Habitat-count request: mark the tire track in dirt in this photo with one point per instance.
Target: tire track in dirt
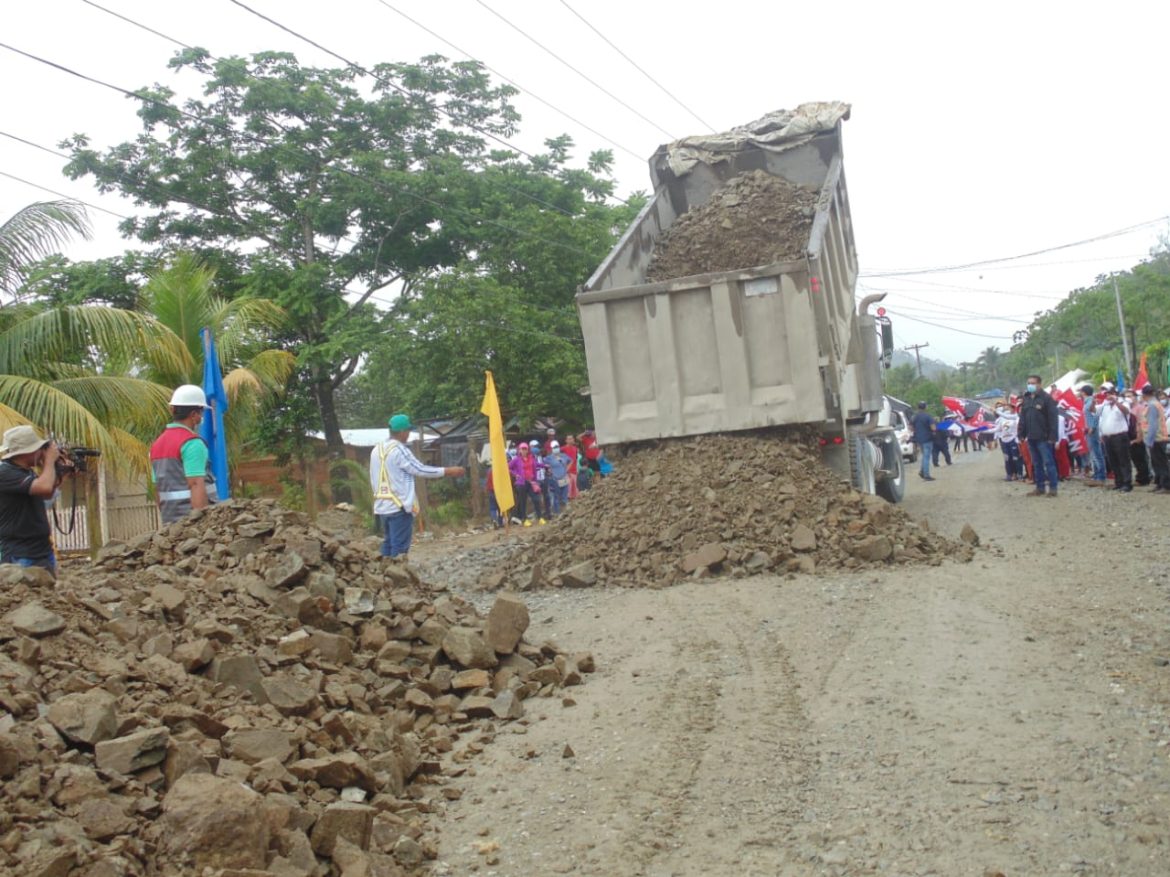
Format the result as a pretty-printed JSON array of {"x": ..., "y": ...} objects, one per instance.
[{"x": 738, "y": 752}]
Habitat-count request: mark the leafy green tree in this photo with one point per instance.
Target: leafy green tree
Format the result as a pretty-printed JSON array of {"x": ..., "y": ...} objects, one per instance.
[
  {"x": 509, "y": 308},
  {"x": 328, "y": 187}
]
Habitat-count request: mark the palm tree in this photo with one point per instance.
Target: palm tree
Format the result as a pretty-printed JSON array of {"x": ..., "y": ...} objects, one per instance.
[
  {"x": 33, "y": 233},
  {"x": 989, "y": 363},
  {"x": 182, "y": 298},
  {"x": 53, "y": 361}
]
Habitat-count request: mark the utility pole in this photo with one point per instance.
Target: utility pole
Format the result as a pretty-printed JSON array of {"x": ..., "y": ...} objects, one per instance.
[
  {"x": 1121, "y": 320},
  {"x": 917, "y": 355}
]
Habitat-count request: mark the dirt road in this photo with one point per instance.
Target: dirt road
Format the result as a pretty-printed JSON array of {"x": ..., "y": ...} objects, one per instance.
[{"x": 1004, "y": 716}]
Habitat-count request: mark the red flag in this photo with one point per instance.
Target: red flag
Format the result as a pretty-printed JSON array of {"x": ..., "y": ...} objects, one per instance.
[
  {"x": 953, "y": 404},
  {"x": 1142, "y": 378},
  {"x": 1071, "y": 402}
]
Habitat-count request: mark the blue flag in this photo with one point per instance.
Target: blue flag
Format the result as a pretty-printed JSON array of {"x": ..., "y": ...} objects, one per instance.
[
  {"x": 212, "y": 427},
  {"x": 1120, "y": 380}
]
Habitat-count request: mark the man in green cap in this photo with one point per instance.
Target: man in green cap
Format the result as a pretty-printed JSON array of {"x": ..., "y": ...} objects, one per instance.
[{"x": 393, "y": 469}]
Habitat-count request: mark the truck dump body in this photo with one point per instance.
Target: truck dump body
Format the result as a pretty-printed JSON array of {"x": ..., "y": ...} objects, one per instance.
[{"x": 762, "y": 345}]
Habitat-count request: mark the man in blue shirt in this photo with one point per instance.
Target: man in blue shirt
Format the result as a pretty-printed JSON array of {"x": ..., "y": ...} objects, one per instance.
[{"x": 923, "y": 424}]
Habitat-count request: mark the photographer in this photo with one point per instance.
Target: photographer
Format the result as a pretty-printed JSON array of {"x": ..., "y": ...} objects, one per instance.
[{"x": 24, "y": 521}]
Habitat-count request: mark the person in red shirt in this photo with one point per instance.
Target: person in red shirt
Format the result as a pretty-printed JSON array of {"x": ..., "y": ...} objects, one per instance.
[{"x": 591, "y": 450}]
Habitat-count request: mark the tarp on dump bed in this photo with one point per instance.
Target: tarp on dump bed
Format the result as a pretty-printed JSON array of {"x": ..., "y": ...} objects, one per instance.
[{"x": 776, "y": 131}]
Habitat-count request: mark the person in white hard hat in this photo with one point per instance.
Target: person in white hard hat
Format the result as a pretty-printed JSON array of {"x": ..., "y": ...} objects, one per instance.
[
  {"x": 24, "y": 523},
  {"x": 180, "y": 462}
]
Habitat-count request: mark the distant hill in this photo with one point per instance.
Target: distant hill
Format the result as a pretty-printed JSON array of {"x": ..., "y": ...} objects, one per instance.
[{"x": 931, "y": 368}]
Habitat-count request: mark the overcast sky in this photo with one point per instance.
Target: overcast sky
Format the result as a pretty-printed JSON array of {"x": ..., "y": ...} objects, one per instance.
[{"x": 979, "y": 131}]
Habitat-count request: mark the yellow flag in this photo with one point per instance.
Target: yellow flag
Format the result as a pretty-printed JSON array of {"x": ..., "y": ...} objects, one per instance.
[{"x": 501, "y": 477}]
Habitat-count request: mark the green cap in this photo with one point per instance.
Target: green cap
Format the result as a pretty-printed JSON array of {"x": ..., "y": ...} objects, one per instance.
[{"x": 400, "y": 423}]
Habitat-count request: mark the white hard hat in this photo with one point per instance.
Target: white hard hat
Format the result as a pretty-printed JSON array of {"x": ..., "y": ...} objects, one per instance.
[{"x": 188, "y": 396}]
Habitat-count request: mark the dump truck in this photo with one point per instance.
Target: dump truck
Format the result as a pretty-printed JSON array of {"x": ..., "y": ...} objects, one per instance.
[{"x": 762, "y": 345}]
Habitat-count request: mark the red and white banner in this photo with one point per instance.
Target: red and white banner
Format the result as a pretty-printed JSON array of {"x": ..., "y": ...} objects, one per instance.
[{"x": 1071, "y": 405}]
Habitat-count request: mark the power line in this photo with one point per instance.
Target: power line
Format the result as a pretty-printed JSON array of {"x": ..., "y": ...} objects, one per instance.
[
  {"x": 405, "y": 91},
  {"x": 60, "y": 194},
  {"x": 1015, "y": 293},
  {"x": 1101, "y": 237},
  {"x": 947, "y": 328},
  {"x": 137, "y": 24},
  {"x": 39, "y": 146},
  {"x": 636, "y": 66},
  {"x": 584, "y": 76},
  {"x": 378, "y": 184},
  {"x": 511, "y": 82}
]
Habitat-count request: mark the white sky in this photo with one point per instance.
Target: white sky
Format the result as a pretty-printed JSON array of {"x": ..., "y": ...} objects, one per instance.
[{"x": 979, "y": 131}]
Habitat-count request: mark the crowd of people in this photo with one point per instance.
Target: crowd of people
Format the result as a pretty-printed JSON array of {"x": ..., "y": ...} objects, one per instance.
[
  {"x": 1095, "y": 434},
  {"x": 546, "y": 474}
]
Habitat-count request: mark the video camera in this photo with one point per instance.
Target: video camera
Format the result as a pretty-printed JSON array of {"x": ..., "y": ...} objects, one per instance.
[{"x": 74, "y": 459}]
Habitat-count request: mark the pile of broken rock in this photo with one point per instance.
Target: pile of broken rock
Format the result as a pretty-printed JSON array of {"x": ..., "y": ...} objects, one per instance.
[
  {"x": 242, "y": 693},
  {"x": 721, "y": 504}
]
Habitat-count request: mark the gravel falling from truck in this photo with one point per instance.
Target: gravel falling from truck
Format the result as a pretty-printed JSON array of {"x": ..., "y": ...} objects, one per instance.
[
  {"x": 756, "y": 219},
  {"x": 730, "y": 504}
]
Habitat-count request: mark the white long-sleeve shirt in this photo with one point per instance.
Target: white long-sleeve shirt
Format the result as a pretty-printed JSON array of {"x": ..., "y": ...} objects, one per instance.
[
  {"x": 1007, "y": 427},
  {"x": 393, "y": 469}
]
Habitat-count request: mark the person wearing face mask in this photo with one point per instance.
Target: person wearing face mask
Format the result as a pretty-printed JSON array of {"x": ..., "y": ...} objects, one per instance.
[
  {"x": 1040, "y": 428},
  {"x": 1114, "y": 425},
  {"x": 1137, "y": 445}
]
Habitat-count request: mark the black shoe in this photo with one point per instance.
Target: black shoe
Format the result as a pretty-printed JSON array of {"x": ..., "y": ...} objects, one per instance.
[
  {"x": 927, "y": 478},
  {"x": 1126, "y": 489}
]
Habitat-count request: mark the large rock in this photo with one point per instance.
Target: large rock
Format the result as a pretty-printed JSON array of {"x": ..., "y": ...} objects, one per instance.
[
  {"x": 803, "y": 539},
  {"x": 88, "y": 717},
  {"x": 252, "y": 745},
  {"x": 33, "y": 619},
  {"x": 579, "y": 575},
  {"x": 243, "y": 672},
  {"x": 133, "y": 752},
  {"x": 873, "y": 548},
  {"x": 104, "y": 818},
  {"x": 354, "y": 822},
  {"x": 507, "y": 706},
  {"x": 290, "y": 696},
  {"x": 506, "y": 623},
  {"x": 708, "y": 556},
  {"x": 211, "y": 822},
  {"x": 336, "y": 771},
  {"x": 11, "y": 574},
  {"x": 289, "y": 569},
  {"x": 194, "y": 655},
  {"x": 10, "y": 756},
  {"x": 466, "y": 647}
]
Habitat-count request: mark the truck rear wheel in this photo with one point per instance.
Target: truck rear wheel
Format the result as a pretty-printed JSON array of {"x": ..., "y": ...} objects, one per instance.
[
  {"x": 892, "y": 488},
  {"x": 862, "y": 463}
]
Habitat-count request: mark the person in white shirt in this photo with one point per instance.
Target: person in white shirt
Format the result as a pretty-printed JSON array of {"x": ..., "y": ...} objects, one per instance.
[
  {"x": 1113, "y": 423},
  {"x": 393, "y": 469},
  {"x": 1006, "y": 424}
]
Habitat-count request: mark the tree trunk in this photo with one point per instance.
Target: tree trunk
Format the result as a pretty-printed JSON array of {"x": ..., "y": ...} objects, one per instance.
[{"x": 334, "y": 444}]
